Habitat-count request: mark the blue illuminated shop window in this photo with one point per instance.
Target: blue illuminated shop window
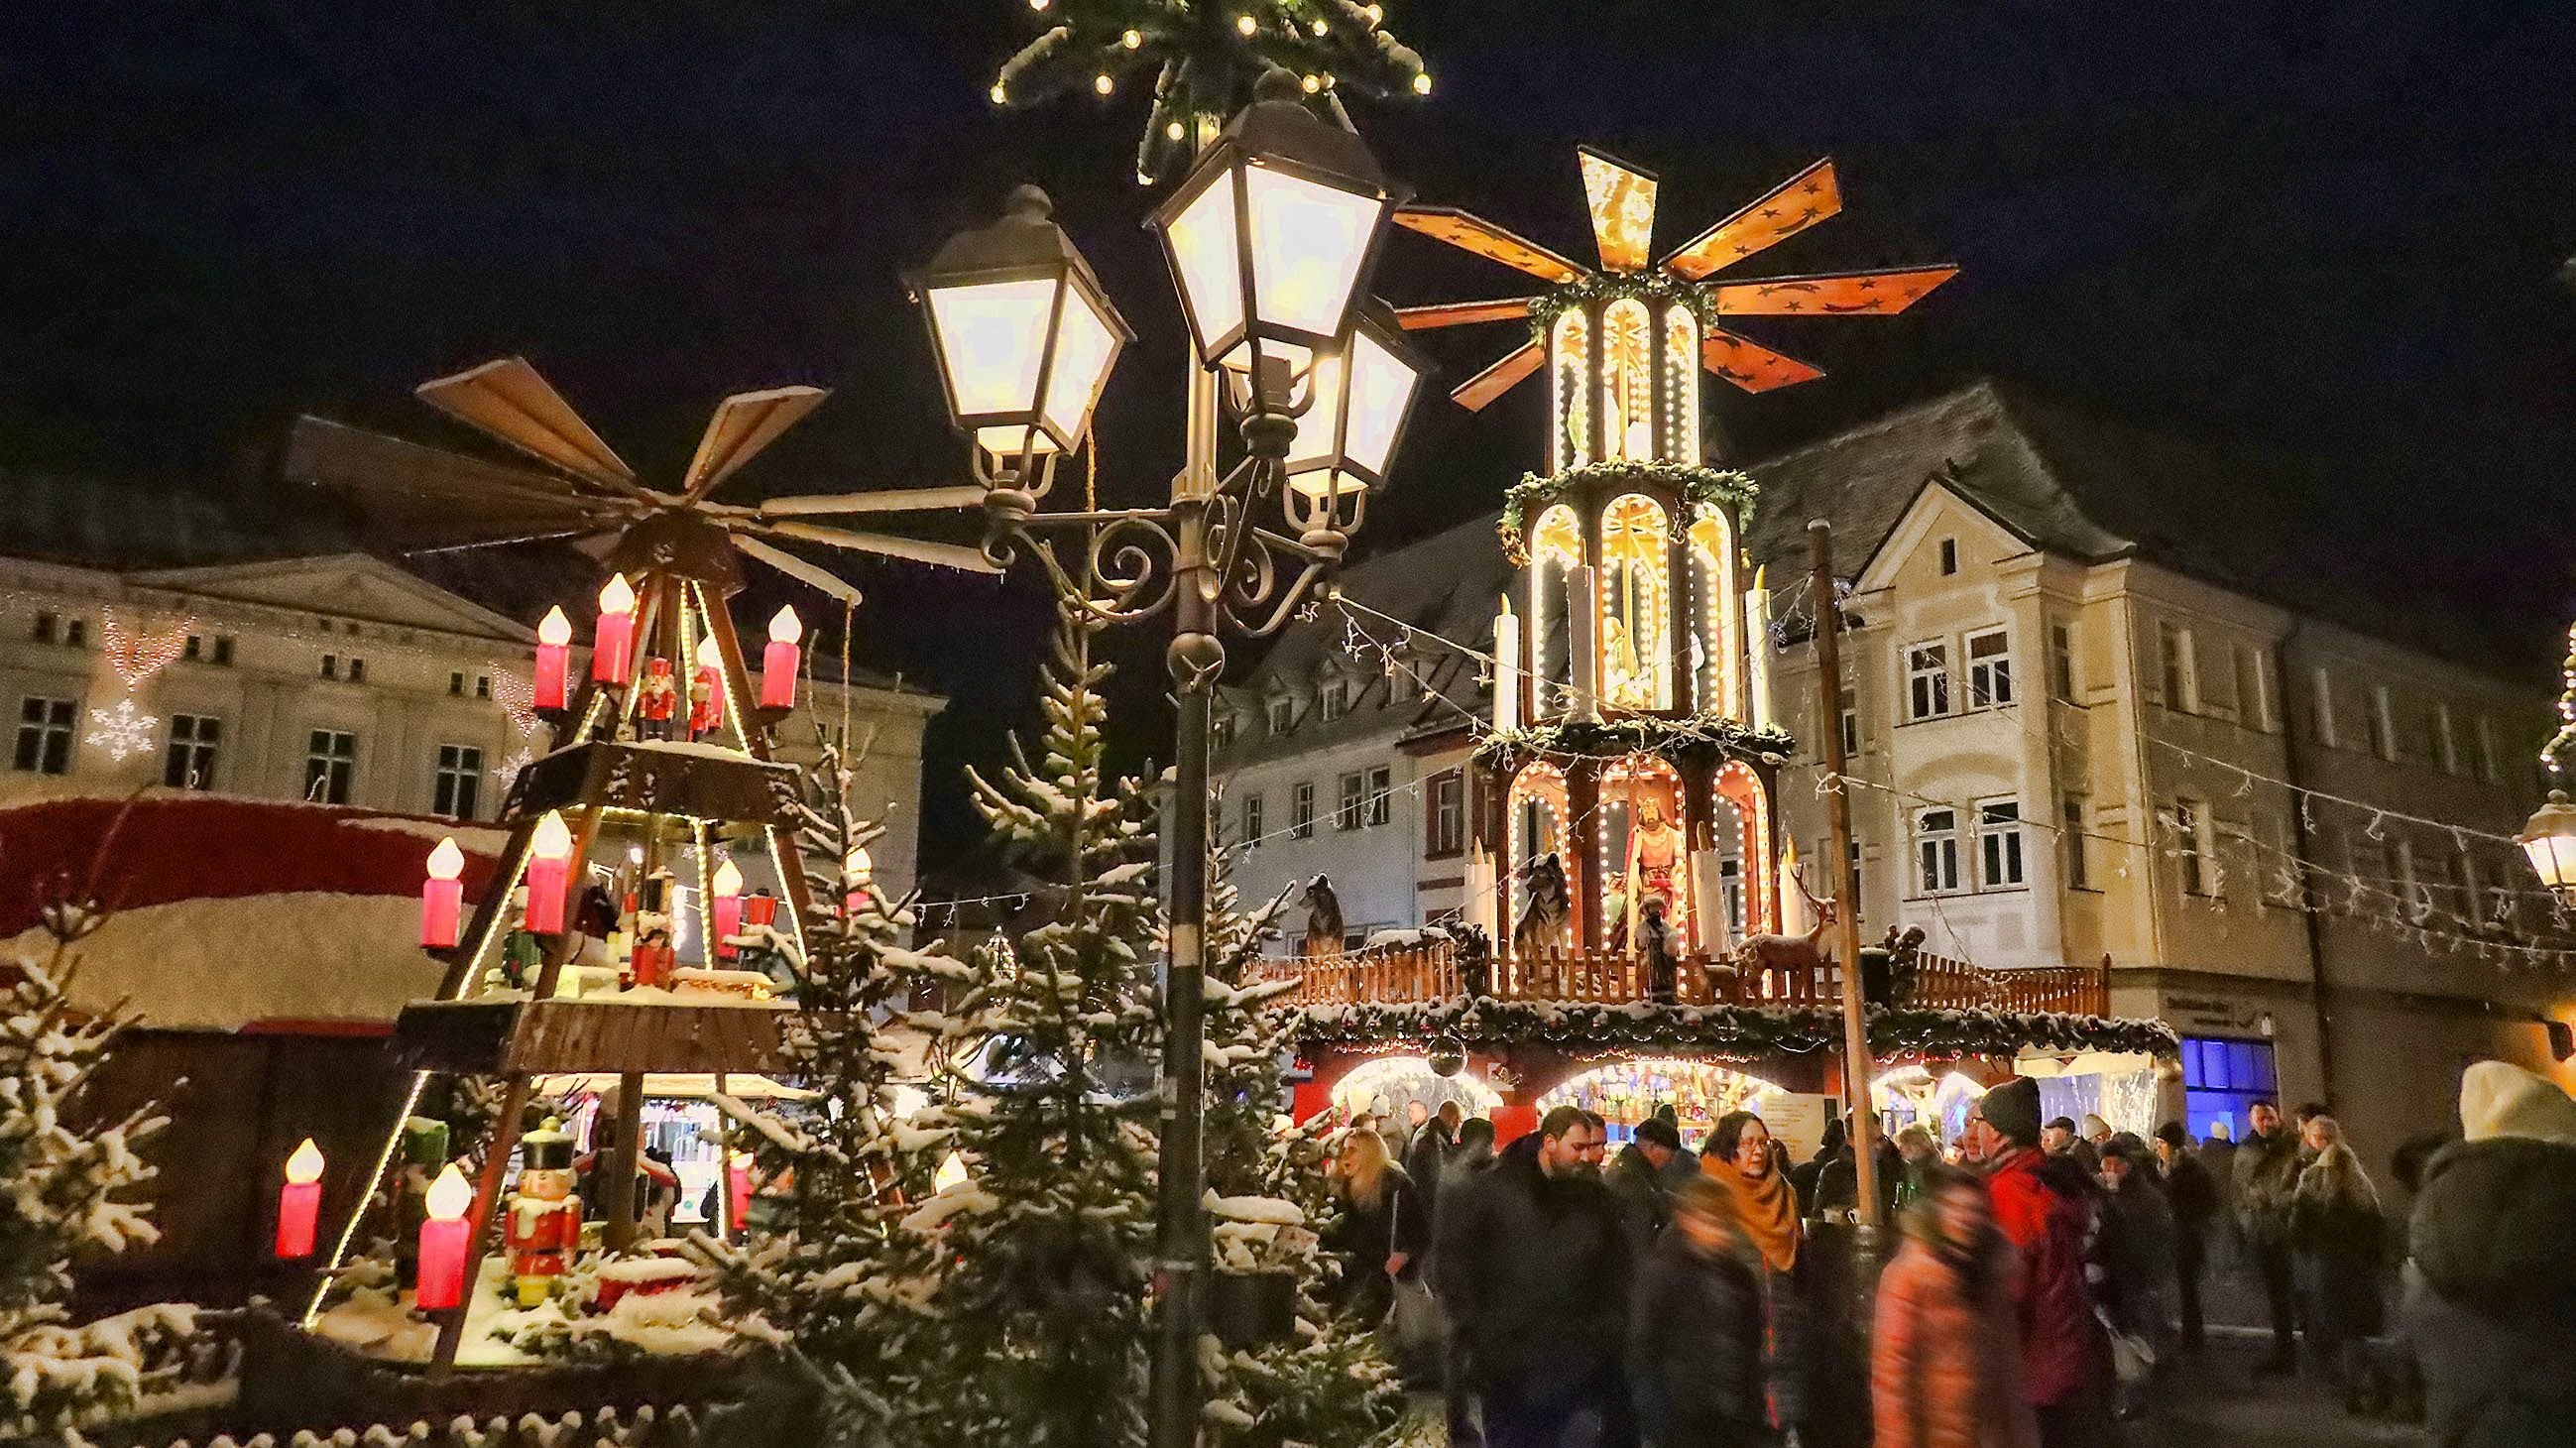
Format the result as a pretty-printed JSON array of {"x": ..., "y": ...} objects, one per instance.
[{"x": 2222, "y": 1079}]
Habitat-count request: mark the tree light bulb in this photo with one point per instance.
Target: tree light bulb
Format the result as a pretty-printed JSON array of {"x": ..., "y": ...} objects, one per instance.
[
  {"x": 1312, "y": 84},
  {"x": 1038, "y": 4},
  {"x": 728, "y": 880},
  {"x": 1175, "y": 130},
  {"x": 1322, "y": 29},
  {"x": 450, "y": 1196},
  {"x": 618, "y": 596},
  {"x": 1422, "y": 83},
  {"x": 1102, "y": 83},
  {"x": 785, "y": 627},
  {"x": 446, "y": 862},
  {"x": 952, "y": 1173},
  {"x": 305, "y": 1166},
  {"x": 554, "y": 630},
  {"x": 1375, "y": 13},
  {"x": 996, "y": 93},
  {"x": 856, "y": 865},
  {"x": 553, "y": 840},
  {"x": 1132, "y": 39},
  {"x": 1246, "y": 24},
  {"x": 708, "y": 655}
]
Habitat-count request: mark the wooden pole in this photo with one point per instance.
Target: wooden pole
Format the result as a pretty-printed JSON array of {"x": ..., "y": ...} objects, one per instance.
[
  {"x": 620, "y": 1232},
  {"x": 1857, "y": 1062}
]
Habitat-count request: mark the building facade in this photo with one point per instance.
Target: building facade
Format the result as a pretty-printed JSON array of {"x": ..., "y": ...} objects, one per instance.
[{"x": 2281, "y": 817}]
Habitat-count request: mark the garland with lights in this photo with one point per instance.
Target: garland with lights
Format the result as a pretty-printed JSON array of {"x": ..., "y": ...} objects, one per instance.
[
  {"x": 1204, "y": 57},
  {"x": 1617, "y": 738},
  {"x": 1696, "y": 486},
  {"x": 1657, "y": 289},
  {"x": 1739, "y": 1032}
]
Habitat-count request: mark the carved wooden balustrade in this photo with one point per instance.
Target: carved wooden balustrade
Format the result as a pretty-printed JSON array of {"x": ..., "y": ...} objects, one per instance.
[{"x": 1401, "y": 975}]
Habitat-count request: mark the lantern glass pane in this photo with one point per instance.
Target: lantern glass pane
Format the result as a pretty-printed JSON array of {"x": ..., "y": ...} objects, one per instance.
[
  {"x": 1318, "y": 442},
  {"x": 2553, "y": 859},
  {"x": 994, "y": 335},
  {"x": 1004, "y": 440},
  {"x": 1201, "y": 239},
  {"x": 1084, "y": 344},
  {"x": 1381, "y": 388},
  {"x": 1308, "y": 242}
]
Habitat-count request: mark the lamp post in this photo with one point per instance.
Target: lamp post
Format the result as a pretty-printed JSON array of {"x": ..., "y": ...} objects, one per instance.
[
  {"x": 1270, "y": 239},
  {"x": 2548, "y": 839}
]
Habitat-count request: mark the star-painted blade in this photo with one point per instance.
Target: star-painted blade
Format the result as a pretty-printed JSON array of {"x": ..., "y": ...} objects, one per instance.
[
  {"x": 891, "y": 500},
  {"x": 507, "y": 399},
  {"x": 415, "y": 496},
  {"x": 576, "y": 537},
  {"x": 744, "y": 424},
  {"x": 819, "y": 579},
  {"x": 1462, "y": 314},
  {"x": 1622, "y": 199},
  {"x": 1882, "y": 293},
  {"x": 1472, "y": 233},
  {"x": 1791, "y": 207},
  {"x": 1502, "y": 377},
  {"x": 1750, "y": 365},
  {"x": 946, "y": 555}
]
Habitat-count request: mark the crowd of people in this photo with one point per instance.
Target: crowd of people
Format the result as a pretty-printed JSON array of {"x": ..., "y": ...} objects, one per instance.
[{"x": 2046, "y": 1276}]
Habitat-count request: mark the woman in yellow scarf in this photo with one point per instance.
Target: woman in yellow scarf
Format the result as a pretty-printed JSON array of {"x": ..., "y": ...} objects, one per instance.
[{"x": 1739, "y": 1158}]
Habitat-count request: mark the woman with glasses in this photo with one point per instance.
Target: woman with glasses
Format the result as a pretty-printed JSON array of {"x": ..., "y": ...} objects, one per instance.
[{"x": 1741, "y": 1160}]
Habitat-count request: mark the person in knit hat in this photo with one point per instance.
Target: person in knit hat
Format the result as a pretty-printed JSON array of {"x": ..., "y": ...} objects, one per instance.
[
  {"x": 2491, "y": 1306},
  {"x": 2051, "y": 1212}
]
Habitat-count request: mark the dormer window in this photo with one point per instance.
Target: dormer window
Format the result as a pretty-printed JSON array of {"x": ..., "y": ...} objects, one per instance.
[
  {"x": 1283, "y": 714},
  {"x": 1336, "y": 698},
  {"x": 1221, "y": 728}
]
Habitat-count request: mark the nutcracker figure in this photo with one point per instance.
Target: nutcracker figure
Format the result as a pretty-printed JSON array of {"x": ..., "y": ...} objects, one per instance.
[
  {"x": 658, "y": 701},
  {"x": 706, "y": 693},
  {"x": 543, "y": 1227}
]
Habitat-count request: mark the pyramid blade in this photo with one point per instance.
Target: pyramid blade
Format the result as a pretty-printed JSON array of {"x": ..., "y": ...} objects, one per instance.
[
  {"x": 1462, "y": 314},
  {"x": 506, "y": 398},
  {"x": 1622, "y": 199},
  {"x": 1791, "y": 207},
  {"x": 946, "y": 555},
  {"x": 1750, "y": 365},
  {"x": 819, "y": 579},
  {"x": 1504, "y": 375},
  {"x": 1879, "y": 293},
  {"x": 744, "y": 424},
  {"x": 1472, "y": 233},
  {"x": 890, "y": 500},
  {"x": 415, "y": 496}
]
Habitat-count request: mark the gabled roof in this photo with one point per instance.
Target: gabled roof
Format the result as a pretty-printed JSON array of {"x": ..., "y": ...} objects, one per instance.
[{"x": 347, "y": 585}]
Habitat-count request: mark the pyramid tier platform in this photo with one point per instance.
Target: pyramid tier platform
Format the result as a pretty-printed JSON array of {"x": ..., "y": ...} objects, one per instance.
[
  {"x": 515, "y": 1036},
  {"x": 705, "y": 781}
]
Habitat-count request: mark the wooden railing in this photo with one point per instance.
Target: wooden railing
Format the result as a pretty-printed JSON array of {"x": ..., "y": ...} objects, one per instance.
[{"x": 1401, "y": 975}]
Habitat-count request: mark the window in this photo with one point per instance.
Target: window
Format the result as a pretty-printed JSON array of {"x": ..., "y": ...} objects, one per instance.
[
  {"x": 190, "y": 762},
  {"x": 1730, "y": 893},
  {"x": 1283, "y": 714},
  {"x": 2485, "y": 740},
  {"x": 2181, "y": 668},
  {"x": 76, "y": 633},
  {"x": 2383, "y": 740},
  {"x": 330, "y": 666},
  {"x": 1253, "y": 824},
  {"x": 2221, "y": 1081},
  {"x": 2446, "y": 740},
  {"x": 1301, "y": 811},
  {"x": 2254, "y": 686},
  {"x": 1447, "y": 834},
  {"x": 1346, "y": 807},
  {"x": 456, "y": 684},
  {"x": 1336, "y": 697},
  {"x": 2186, "y": 819},
  {"x": 45, "y": 735},
  {"x": 1221, "y": 729},
  {"x": 2399, "y": 860},
  {"x": 196, "y": 647},
  {"x": 482, "y": 686},
  {"x": 223, "y": 650},
  {"x": 2061, "y": 660},
  {"x": 357, "y": 671},
  {"x": 1847, "y": 704},
  {"x": 2324, "y": 723},
  {"x": 330, "y": 766},
  {"x": 458, "y": 785},
  {"x": 1927, "y": 680},
  {"x": 1999, "y": 844},
  {"x": 47, "y": 628},
  {"x": 2071, "y": 840},
  {"x": 1852, "y": 857},
  {"x": 1936, "y": 851},
  {"x": 1949, "y": 556},
  {"x": 1990, "y": 680},
  {"x": 1379, "y": 806}
]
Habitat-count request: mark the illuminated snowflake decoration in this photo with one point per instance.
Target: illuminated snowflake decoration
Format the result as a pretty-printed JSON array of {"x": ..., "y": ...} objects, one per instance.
[
  {"x": 123, "y": 731},
  {"x": 519, "y": 759}
]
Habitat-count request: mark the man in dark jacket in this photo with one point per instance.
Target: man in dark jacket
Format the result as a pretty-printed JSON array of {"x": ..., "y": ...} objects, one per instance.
[
  {"x": 1530, "y": 1261},
  {"x": 1427, "y": 1159},
  {"x": 2050, "y": 1211},
  {"x": 2267, "y": 1179},
  {"x": 1638, "y": 1185},
  {"x": 2194, "y": 1198}
]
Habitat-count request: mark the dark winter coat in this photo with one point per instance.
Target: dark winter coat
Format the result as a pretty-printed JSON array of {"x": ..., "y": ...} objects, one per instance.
[
  {"x": 1640, "y": 1194},
  {"x": 2192, "y": 1193},
  {"x": 2267, "y": 1178},
  {"x": 2342, "y": 1242},
  {"x": 2493, "y": 1316},
  {"x": 2051, "y": 1216},
  {"x": 1534, "y": 1274},
  {"x": 1695, "y": 1344},
  {"x": 1368, "y": 1232},
  {"x": 2140, "y": 1251},
  {"x": 1838, "y": 1185},
  {"x": 1427, "y": 1161}
]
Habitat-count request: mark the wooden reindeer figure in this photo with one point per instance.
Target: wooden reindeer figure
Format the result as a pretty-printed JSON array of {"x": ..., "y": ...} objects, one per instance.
[{"x": 1789, "y": 954}]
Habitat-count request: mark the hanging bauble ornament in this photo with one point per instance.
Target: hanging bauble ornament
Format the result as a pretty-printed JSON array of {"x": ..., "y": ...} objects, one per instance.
[{"x": 1448, "y": 1056}]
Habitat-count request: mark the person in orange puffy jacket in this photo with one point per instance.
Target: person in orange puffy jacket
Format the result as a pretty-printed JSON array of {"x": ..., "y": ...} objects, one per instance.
[{"x": 1942, "y": 1372}]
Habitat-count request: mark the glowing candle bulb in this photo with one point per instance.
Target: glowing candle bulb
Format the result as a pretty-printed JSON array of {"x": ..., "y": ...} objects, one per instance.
[
  {"x": 554, "y": 655},
  {"x": 299, "y": 1204},
  {"x": 952, "y": 1173},
  {"x": 442, "y": 1242},
  {"x": 549, "y": 871},
  {"x": 778, "y": 664},
  {"x": 726, "y": 906},
  {"x": 442, "y": 895},
  {"x": 612, "y": 655},
  {"x": 858, "y": 877}
]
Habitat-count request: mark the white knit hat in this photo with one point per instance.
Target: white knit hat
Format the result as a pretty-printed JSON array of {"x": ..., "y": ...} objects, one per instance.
[{"x": 2501, "y": 1099}]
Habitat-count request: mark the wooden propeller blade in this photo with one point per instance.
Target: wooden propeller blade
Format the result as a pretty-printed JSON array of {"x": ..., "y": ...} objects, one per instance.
[
  {"x": 414, "y": 495},
  {"x": 744, "y": 424},
  {"x": 946, "y": 555},
  {"x": 1882, "y": 293},
  {"x": 1462, "y": 314},
  {"x": 577, "y": 537},
  {"x": 1472, "y": 233},
  {"x": 819, "y": 579},
  {"x": 1504, "y": 375},
  {"x": 891, "y": 500},
  {"x": 506, "y": 398},
  {"x": 1789, "y": 208},
  {"x": 1622, "y": 199},
  {"x": 1750, "y": 365}
]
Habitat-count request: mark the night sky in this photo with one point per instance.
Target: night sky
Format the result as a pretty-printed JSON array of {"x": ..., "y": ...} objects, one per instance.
[{"x": 2326, "y": 237}]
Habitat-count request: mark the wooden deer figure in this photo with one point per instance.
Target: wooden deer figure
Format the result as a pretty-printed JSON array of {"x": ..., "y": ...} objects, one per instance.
[{"x": 1790, "y": 953}]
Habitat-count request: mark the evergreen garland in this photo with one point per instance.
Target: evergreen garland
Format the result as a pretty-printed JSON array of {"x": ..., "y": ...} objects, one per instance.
[
  {"x": 1695, "y": 485},
  {"x": 1738, "y": 1032},
  {"x": 1621, "y": 736},
  {"x": 1655, "y": 287}
]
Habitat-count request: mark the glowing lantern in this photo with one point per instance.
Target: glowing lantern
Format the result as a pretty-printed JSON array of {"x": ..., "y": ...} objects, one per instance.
[
  {"x": 442, "y": 895},
  {"x": 2549, "y": 841},
  {"x": 952, "y": 1173},
  {"x": 727, "y": 906},
  {"x": 442, "y": 1242},
  {"x": 299, "y": 1204},
  {"x": 612, "y": 655},
  {"x": 549, "y": 871},
  {"x": 779, "y": 662},
  {"x": 554, "y": 661}
]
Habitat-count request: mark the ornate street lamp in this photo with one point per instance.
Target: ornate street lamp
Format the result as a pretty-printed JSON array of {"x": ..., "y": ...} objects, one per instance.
[
  {"x": 1270, "y": 240},
  {"x": 2548, "y": 839}
]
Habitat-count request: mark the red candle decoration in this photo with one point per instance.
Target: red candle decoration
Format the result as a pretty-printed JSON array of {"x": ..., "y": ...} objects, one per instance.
[
  {"x": 738, "y": 1190},
  {"x": 299, "y": 1203},
  {"x": 759, "y": 910},
  {"x": 778, "y": 664},
  {"x": 442, "y": 1243},
  {"x": 727, "y": 907},
  {"x": 554, "y": 661},
  {"x": 612, "y": 655},
  {"x": 549, "y": 871},
  {"x": 442, "y": 895},
  {"x": 858, "y": 879}
]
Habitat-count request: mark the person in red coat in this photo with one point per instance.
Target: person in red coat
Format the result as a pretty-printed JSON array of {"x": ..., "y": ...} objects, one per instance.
[
  {"x": 2049, "y": 1211},
  {"x": 1942, "y": 1373}
]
